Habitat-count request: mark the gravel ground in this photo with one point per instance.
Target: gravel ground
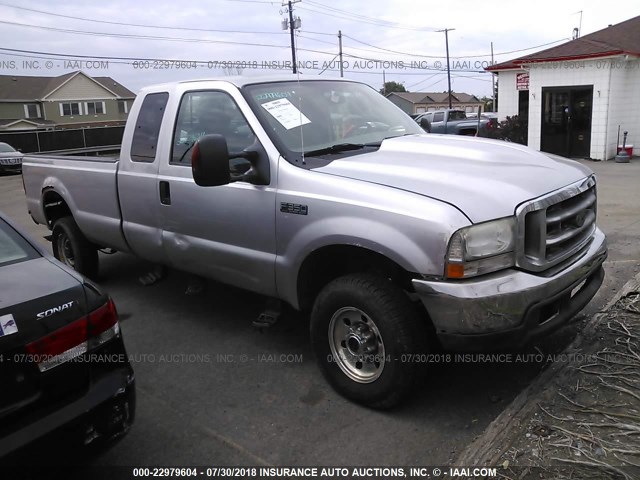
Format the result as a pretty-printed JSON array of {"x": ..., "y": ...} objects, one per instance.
[{"x": 581, "y": 418}]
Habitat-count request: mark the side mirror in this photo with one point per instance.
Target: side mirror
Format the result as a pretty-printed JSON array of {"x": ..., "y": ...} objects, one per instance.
[
  {"x": 425, "y": 124},
  {"x": 210, "y": 161}
]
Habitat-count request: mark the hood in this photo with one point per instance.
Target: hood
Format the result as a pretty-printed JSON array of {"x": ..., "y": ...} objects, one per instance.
[
  {"x": 11, "y": 155},
  {"x": 485, "y": 179}
]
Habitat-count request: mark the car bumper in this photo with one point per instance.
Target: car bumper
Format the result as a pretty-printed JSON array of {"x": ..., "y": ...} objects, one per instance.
[
  {"x": 107, "y": 410},
  {"x": 511, "y": 308},
  {"x": 13, "y": 167}
]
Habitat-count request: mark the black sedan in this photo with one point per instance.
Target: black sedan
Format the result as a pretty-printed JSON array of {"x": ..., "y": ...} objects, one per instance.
[
  {"x": 63, "y": 364},
  {"x": 10, "y": 158}
]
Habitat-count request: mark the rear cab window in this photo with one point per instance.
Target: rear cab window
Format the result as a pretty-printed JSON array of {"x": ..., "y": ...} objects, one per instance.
[
  {"x": 145, "y": 138},
  {"x": 13, "y": 247}
]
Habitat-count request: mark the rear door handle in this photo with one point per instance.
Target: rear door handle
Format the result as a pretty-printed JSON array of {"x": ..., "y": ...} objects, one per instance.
[{"x": 165, "y": 193}]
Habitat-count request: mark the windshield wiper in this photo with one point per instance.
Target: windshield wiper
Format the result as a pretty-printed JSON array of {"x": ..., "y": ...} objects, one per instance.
[
  {"x": 186, "y": 151},
  {"x": 338, "y": 148}
]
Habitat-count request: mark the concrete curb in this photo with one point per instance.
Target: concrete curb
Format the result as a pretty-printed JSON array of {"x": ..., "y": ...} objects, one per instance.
[{"x": 499, "y": 436}]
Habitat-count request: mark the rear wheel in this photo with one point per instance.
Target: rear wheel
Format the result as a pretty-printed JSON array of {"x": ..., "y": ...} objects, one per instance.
[
  {"x": 367, "y": 336},
  {"x": 72, "y": 248}
]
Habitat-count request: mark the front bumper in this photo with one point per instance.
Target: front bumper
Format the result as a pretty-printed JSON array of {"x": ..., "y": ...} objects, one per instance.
[
  {"x": 13, "y": 167},
  {"x": 512, "y": 307}
]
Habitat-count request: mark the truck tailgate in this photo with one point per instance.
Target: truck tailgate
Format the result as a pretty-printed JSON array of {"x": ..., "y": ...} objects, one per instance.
[{"x": 88, "y": 186}]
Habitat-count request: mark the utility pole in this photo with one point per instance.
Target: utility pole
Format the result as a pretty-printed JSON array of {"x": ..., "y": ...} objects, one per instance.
[
  {"x": 446, "y": 38},
  {"x": 340, "y": 46},
  {"x": 493, "y": 87},
  {"x": 292, "y": 26}
]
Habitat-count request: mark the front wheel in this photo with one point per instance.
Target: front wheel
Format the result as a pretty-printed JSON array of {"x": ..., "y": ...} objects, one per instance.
[
  {"x": 73, "y": 249},
  {"x": 367, "y": 335}
]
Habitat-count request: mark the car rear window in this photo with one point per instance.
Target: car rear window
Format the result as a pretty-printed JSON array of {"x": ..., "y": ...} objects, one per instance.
[{"x": 13, "y": 247}]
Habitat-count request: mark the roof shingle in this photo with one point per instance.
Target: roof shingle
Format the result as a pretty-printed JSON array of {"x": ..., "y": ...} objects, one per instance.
[
  {"x": 436, "y": 97},
  {"x": 28, "y": 88},
  {"x": 622, "y": 38}
]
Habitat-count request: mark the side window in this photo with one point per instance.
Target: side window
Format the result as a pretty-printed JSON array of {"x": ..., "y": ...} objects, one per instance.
[
  {"x": 145, "y": 137},
  {"x": 209, "y": 112},
  {"x": 438, "y": 117}
]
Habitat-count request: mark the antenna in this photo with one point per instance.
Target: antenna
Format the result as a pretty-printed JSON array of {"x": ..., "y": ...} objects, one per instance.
[{"x": 577, "y": 31}]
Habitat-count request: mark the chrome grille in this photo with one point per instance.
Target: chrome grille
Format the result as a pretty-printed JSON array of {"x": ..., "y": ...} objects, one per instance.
[{"x": 553, "y": 228}]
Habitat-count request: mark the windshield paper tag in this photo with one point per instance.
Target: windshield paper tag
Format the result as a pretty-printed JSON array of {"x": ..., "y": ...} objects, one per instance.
[
  {"x": 7, "y": 325},
  {"x": 286, "y": 113}
]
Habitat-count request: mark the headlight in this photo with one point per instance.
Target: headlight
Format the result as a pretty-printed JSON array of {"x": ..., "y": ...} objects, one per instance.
[{"x": 481, "y": 248}]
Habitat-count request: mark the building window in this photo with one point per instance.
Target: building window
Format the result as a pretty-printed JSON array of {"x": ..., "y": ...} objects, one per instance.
[
  {"x": 123, "y": 107},
  {"x": 31, "y": 110},
  {"x": 95, "y": 108},
  {"x": 68, "y": 109}
]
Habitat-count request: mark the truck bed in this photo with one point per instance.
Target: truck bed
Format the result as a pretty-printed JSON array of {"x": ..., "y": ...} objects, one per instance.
[{"x": 94, "y": 202}]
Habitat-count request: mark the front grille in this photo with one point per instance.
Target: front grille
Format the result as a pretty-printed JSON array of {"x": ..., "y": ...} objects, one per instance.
[
  {"x": 555, "y": 227},
  {"x": 10, "y": 161}
]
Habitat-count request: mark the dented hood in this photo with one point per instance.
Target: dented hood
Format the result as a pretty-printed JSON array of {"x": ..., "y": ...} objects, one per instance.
[{"x": 485, "y": 179}]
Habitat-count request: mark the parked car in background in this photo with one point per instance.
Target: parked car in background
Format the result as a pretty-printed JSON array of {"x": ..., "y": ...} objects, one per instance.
[
  {"x": 63, "y": 364},
  {"x": 10, "y": 158},
  {"x": 453, "y": 122}
]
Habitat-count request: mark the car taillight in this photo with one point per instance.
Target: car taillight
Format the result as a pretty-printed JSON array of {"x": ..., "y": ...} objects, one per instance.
[{"x": 75, "y": 339}]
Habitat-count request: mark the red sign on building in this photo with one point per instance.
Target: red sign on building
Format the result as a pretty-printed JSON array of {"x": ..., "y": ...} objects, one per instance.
[{"x": 522, "y": 81}]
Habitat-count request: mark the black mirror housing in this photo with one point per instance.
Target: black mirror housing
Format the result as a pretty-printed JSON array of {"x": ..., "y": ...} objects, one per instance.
[
  {"x": 210, "y": 161},
  {"x": 425, "y": 124}
]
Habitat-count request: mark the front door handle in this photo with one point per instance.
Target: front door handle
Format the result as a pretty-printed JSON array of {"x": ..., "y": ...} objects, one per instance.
[{"x": 165, "y": 193}]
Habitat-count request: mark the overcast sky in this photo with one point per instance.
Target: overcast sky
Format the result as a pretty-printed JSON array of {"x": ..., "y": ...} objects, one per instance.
[{"x": 402, "y": 33}]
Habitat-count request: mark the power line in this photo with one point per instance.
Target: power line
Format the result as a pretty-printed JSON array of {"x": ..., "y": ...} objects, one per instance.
[
  {"x": 422, "y": 81},
  {"x": 167, "y": 27},
  {"x": 163, "y": 27},
  {"x": 365, "y": 18},
  {"x": 335, "y": 15},
  {"x": 130, "y": 61},
  {"x": 136, "y": 36},
  {"x": 358, "y": 16},
  {"x": 455, "y": 57}
]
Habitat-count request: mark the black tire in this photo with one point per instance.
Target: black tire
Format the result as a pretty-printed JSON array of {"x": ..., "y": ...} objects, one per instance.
[
  {"x": 399, "y": 337},
  {"x": 73, "y": 249}
]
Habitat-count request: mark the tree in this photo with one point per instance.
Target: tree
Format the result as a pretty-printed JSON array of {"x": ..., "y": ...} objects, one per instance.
[
  {"x": 487, "y": 104},
  {"x": 392, "y": 87}
]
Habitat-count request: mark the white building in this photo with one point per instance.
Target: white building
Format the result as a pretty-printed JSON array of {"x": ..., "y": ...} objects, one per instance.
[{"x": 577, "y": 95}]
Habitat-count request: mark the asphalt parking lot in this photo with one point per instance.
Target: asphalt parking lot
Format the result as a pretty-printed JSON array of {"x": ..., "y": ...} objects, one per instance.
[{"x": 214, "y": 390}]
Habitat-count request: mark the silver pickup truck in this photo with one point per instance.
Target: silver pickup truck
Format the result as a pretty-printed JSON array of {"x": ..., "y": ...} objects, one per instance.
[{"x": 322, "y": 194}]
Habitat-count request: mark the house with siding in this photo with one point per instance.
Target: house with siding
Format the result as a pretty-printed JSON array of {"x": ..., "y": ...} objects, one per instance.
[
  {"x": 72, "y": 100},
  {"x": 578, "y": 97},
  {"x": 421, "y": 102}
]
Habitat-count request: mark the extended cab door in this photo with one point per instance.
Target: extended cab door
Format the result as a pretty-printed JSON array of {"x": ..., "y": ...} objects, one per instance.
[
  {"x": 227, "y": 232},
  {"x": 438, "y": 124},
  {"x": 137, "y": 177}
]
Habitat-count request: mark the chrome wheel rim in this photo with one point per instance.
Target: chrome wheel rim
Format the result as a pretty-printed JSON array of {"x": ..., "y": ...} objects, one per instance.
[
  {"x": 65, "y": 251},
  {"x": 356, "y": 345}
]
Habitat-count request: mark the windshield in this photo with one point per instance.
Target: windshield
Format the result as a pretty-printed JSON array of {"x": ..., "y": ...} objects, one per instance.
[
  {"x": 326, "y": 117},
  {"x": 6, "y": 148}
]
